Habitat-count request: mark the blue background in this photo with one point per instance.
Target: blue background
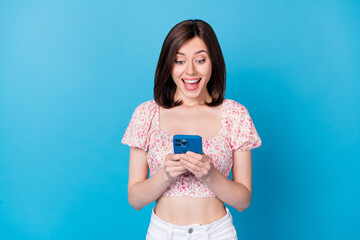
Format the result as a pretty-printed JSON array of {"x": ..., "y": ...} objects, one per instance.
[{"x": 72, "y": 72}]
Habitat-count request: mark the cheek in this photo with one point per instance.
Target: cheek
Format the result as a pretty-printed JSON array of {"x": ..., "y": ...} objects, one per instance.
[
  {"x": 206, "y": 71},
  {"x": 176, "y": 72}
]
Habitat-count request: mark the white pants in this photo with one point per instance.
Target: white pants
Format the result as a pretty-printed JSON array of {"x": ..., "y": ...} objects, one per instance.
[{"x": 222, "y": 229}]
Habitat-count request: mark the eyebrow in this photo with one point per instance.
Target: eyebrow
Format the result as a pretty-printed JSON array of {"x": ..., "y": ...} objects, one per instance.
[{"x": 194, "y": 53}]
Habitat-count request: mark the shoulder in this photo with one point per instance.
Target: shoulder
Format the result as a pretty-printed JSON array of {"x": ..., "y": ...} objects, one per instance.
[
  {"x": 234, "y": 108},
  {"x": 147, "y": 105},
  {"x": 242, "y": 133},
  {"x": 136, "y": 134},
  {"x": 145, "y": 111},
  {"x": 146, "y": 108}
]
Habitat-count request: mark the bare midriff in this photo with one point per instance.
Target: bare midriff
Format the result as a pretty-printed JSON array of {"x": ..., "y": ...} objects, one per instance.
[{"x": 186, "y": 210}]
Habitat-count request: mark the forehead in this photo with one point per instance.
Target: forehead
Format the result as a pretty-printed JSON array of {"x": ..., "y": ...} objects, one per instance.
[{"x": 193, "y": 45}]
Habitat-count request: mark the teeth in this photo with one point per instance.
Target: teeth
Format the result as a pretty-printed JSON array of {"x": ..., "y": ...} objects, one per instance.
[{"x": 191, "y": 81}]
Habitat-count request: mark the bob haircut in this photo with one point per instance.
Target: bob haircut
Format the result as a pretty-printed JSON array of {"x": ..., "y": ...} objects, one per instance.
[{"x": 164, "y": 86}]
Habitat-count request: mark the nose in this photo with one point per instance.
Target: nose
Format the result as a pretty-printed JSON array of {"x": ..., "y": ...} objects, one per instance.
[{"x": 190, "y": 70}]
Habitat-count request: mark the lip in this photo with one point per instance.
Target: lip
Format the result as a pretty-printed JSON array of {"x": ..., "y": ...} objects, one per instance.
[
  {"x": 191, "y": 87},
  {"x": 190, "y": 78}
]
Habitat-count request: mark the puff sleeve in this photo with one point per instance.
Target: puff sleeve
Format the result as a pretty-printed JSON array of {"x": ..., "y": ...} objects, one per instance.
[
  {"x": 243, "y": 135},
  {"x": 136, "y": 134}
]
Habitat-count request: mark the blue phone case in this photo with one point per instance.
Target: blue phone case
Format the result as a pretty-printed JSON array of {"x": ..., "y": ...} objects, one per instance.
[{"x": 184, "y": 143}]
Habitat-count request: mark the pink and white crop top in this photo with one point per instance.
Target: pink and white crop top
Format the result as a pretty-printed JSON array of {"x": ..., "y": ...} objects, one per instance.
[{"x": 237, "y": 133}]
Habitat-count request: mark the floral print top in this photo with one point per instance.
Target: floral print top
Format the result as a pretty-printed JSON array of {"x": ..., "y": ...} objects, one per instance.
[{"x": 237, "y": 133}]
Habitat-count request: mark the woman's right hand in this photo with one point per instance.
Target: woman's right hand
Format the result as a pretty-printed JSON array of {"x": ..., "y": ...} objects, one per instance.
[{"x": 173, "y": 166}]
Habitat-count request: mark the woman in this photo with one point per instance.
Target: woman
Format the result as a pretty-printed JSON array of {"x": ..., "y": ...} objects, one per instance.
[{"x": 190, "y": 189}]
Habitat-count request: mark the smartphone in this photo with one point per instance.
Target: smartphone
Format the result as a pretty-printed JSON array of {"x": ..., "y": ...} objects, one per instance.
[{"x": 184, "y": 143}]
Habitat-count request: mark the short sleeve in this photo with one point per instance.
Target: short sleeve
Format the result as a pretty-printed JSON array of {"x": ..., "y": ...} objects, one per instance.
[
  {"x": 243, "y": 134},
  {"x": 136, "y": 134}
]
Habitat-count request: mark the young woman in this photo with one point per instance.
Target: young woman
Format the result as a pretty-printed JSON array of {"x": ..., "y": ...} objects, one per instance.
[{"x": 190, "y": 189}]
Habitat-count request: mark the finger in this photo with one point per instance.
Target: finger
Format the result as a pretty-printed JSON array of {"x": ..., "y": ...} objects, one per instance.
[
  {"x": 182, "y": 172},
  {"x": 191, "y": 167},
  {"x": 176, "y": 169},
  {"x": 172, "y": 163},
  {"x": 194, "y": 161},
  {"x": 195, "y": 155},
  {"x": 172, "y": 157},
  {"x": 176, "y": 157}
]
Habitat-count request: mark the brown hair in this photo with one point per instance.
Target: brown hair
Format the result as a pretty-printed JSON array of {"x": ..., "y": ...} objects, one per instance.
[{"x": 164, "y": 86}]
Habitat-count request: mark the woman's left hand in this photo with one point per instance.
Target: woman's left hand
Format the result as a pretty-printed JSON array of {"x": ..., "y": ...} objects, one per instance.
[{"x": 198, "y": 164}]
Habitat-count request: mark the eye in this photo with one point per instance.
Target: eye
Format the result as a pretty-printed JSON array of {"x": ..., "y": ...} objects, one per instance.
[
  {"x": 179, "y": 62},
  {"x": 201, "y": 61}
]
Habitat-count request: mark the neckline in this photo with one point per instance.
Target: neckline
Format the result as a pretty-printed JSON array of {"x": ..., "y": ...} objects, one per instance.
[{"x": 157, "y": 117}]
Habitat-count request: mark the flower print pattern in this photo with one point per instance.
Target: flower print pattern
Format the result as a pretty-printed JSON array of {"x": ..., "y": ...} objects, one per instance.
[
  {"x": 237, "y": 133},
  {"x": 243, "y": 135}
]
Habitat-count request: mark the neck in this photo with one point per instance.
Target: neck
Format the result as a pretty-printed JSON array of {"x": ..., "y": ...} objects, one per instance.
[{"x": 190, "y": 102}]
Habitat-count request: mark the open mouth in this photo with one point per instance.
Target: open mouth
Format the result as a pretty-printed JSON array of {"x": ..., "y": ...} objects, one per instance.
[{"x": 191, "y": 83}]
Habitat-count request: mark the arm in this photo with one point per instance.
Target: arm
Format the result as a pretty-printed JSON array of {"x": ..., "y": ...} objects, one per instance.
[
  {"x": 143, "y": 190},
  {"x": 236, "y": 193}
]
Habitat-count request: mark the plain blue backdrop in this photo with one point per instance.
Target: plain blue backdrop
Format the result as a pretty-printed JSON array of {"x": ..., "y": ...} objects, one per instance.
[{"x": 72, "y": 73}]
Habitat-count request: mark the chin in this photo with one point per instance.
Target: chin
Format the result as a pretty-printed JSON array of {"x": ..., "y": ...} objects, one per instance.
[{"x": 191, "y": 95}]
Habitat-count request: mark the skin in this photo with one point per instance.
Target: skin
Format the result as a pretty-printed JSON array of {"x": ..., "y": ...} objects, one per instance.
[{"x": 192, "y": 117}]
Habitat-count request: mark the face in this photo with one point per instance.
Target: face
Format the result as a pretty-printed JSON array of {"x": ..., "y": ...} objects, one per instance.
[{"x": 192, "y": 70}]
